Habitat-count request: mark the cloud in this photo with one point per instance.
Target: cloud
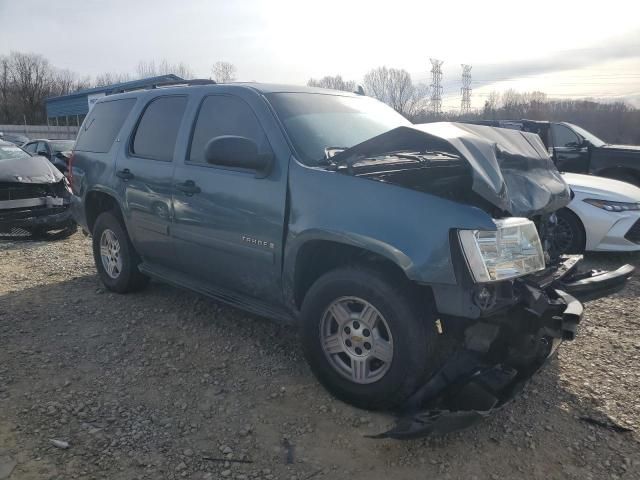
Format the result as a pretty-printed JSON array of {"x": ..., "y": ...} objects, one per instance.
[{"x": 617, "y": 48}]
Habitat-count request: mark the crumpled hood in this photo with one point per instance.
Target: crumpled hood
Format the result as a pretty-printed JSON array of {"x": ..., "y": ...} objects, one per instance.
[
  {"x": 510, "y": 169},
  {"x": 29, "y": 170}
]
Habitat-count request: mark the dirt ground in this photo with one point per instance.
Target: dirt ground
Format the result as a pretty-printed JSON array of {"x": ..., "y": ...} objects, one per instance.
[{"x": 167, "y": 384}]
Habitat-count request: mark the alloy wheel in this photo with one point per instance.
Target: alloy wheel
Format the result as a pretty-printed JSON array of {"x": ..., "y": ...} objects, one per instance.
[
  {"x": 357, "y": 340},
  {"x": 110, "y": 253}
]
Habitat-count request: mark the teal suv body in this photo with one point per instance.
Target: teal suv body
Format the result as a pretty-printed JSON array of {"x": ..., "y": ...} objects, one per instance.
[{"x": 414, "y": 258}]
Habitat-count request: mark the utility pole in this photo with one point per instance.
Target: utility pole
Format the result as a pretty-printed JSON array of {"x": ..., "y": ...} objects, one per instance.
[
  {"x": 465, "y": 105},
  {"x": 436, "y": 86}
]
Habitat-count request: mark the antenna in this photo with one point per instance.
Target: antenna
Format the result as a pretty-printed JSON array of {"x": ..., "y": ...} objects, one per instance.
[
  {"x": 436, "y": 86},
  {"x": 465, "y": 104}
]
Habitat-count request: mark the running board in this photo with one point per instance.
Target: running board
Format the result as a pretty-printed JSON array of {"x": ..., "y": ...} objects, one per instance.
[{"x": 242, "y": 302}]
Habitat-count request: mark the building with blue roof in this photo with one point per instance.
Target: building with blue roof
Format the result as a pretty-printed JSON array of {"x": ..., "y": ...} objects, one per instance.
[{"x": 72, "y": 108}]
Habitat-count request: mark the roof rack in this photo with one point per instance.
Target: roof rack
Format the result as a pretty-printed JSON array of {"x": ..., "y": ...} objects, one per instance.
[{"x": 186, "y": 83}]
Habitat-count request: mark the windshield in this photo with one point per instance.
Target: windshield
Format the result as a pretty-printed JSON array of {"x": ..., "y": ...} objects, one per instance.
[
  {"x": 316, "y": 121},
  {"x": 593, "y": 140},
  {"x": 61, "y": 145},
  {"x": 7, "y": 152}
]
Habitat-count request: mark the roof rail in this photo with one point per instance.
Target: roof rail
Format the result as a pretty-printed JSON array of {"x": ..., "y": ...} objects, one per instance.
[{"x": 193, "y": 82}]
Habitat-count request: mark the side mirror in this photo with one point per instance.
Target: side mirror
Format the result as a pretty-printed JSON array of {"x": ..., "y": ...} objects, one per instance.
[
  {"x": 42, "y": 153},
  {"x": 237, "y": 152}
]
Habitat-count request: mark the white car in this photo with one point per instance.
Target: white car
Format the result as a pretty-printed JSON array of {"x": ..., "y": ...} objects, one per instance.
[{"x": 603, "y": 216}]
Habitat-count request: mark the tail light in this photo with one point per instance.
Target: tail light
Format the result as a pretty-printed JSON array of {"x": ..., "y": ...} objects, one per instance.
[{"x": 69, "y": 173}]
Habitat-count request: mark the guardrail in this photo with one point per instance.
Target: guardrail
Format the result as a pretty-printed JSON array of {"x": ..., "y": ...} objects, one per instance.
[{"x": 42, "y": 131}]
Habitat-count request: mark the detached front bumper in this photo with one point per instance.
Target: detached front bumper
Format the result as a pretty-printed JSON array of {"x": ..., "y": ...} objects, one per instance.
[{"x": 492, "y": 358}]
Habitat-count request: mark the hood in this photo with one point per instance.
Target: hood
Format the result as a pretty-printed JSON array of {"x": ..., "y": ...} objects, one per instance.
[
  {"x": 602, "y": 188},
  {"x": 29, "y": 170},
  {"x": 510, "y": 169},
  {"x": 630, "y": 148}
]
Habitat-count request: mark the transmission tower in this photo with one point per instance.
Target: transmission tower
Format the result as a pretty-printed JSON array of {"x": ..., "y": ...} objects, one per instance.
[
  {"x": 436, "y": 86},
  {"x": 465, "y": 105}
]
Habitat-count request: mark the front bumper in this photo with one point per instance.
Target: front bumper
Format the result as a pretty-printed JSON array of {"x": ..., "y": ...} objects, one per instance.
[
  {"x": 45, "y": 217},
  {"x": 492, "y": 358}
]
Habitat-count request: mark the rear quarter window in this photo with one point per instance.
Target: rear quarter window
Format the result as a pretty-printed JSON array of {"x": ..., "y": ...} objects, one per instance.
[{"x": 100, "y": 128}]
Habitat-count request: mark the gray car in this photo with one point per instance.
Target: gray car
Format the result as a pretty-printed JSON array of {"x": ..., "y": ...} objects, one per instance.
[{"x": 414, "y": 258}]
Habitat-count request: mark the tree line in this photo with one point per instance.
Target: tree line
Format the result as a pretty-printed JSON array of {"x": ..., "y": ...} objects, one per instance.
[
  {"x": 26, "y": 80},
  {"x": 615, "y": 122}
]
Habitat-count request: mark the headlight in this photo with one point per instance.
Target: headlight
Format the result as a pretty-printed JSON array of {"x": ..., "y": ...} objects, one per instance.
[
  {"x": 512, "y": 250},
  {"x": 611, "y": 206}
]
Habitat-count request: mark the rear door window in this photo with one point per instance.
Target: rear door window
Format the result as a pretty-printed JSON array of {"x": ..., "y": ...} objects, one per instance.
[
  {"x": 225, "y": 115},
  {"x": 102, "y": 125},
  {"x": 157, "y": 131}
]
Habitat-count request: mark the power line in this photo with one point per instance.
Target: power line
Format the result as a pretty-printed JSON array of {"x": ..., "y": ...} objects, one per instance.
[
  {"x": 465, "y": 104},
  {"x": 436, "y": 86}
]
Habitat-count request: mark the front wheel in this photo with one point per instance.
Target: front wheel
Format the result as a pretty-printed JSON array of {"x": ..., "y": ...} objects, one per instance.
[
  {"x": 569, "y": 235},
  {"x": 366, "y": 339}
]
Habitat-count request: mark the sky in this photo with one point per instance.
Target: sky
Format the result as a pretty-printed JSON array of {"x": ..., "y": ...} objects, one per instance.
[{"x": 567, "y": 49}]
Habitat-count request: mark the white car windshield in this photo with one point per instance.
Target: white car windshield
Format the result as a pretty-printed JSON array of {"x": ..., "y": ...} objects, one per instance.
[{"x": 8, "y": 152}]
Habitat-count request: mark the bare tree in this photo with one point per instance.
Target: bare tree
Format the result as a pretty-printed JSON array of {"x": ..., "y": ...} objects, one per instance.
[
  {"x": 32, "y": 77},
  {"x": 151, "y": 69},
  {"x": 223, "y": 72},
  {"x": 66, "y": 81},
  {"x": 108, "y": 78},
  {"x": 6, "y": 97},
  {"x": 395, "y": 88},
  {"x": 335, "y": 83}
]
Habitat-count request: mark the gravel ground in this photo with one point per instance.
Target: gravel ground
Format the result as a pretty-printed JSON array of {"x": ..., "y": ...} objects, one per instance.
[{"x": 167, "y": 384}]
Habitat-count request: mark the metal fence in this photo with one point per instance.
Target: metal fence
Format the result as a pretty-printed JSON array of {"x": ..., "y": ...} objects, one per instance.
[{"x": 42, "y": 131}]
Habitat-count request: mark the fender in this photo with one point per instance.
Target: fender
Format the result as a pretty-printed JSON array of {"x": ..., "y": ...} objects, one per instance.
[{"x": 408, "y": 227}]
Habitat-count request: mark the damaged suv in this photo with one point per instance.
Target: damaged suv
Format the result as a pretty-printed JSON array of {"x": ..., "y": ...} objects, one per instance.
[
  {"x": 415, "y": 258},
  {"x": 34, "y": 196}
]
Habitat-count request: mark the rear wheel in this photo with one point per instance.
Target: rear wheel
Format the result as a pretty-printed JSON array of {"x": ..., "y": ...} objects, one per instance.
[
  {"x": 569, "y": 235},
  {"x": 115, "y": 258},
  {"x": 366, "y": 339}
]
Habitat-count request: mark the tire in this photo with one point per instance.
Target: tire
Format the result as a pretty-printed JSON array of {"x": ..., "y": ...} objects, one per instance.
[
  {"x": 569, "y": 235},
  {"x": 411, "y": 329},
  {"x": 125, "y": 276}
]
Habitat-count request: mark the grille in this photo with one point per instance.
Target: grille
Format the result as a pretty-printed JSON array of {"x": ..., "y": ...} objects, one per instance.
[
  {"x": 21, "y": 191},
  {"x": 633, "y": 235},
  {"x": 16, "y": 214},
  {"x": 13, "y": 232}
]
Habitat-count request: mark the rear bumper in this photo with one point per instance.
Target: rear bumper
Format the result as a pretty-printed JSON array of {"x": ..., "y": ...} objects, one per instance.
[
  {"x": 492, "y": 358},
  {"x": 78, "y": 212}
]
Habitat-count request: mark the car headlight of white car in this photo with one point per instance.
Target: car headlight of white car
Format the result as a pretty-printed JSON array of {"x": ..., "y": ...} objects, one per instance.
[
  {"x": 512, "y": 250},
  {"x": 612, "y": 206}
]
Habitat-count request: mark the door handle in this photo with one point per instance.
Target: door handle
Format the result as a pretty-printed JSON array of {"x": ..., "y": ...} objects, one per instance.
[
  {"x": 124, "y": 174},
  {"x": 189, "y": 187}
]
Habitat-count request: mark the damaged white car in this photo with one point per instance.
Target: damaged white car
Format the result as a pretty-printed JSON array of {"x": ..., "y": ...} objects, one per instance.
[{"x": 604, "y": 216}]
